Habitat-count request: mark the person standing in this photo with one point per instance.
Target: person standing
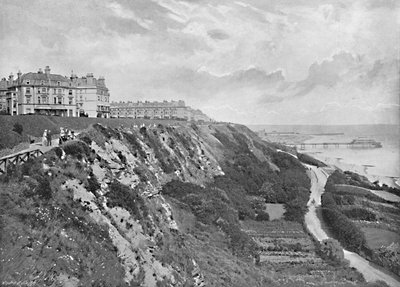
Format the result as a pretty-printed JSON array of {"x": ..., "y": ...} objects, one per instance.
[
  {"x": 44, "y": 138},
  {"x": 49, "y": 137}
]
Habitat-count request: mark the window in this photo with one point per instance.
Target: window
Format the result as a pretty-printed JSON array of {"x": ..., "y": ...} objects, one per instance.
[
  {"x": 28, "y": 100},
  {"x": 58, "y": 83},
  {"x": 27, "y": 82},
  {"x": 43, "y": 90},
  {"x": 38, "y": 100},
  {"x": 60, "y": 100},
  {"x": 80, "y": 97},
  {"x": 28, "y": 90},
  {"x": 70, "y": 100},
  {"x": 59, "y": 91},
  {"x": 42, "y": 83},
  {"x": 70, "y": 92},
  {"x": 55, "y": 101},
  {"x": 38, "y": 91},
  {"x": 98, "y": 98}
]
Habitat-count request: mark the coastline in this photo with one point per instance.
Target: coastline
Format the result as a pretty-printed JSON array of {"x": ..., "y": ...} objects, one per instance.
[{"x": 341, "y": 164}]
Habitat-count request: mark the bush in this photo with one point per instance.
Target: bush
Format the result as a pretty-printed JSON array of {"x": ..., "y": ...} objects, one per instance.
[
  {"x": 262, "y": 216},
  {"x": 348, "y": 234},
  {"x": 92, "y": 184},
  {"x": 330, "y": 249},
  {"x": 328, "y": 201},
  {"x": 359, "y": 213},
  {"x": 86, "y": 139},
  {"x": 18, "y": 128},
  {"x": 76, "y": 149},
  {"x": 137, "y": 148},
  {"x": 127, "y": 198},
  {"x": 43, "y": 189},
  {"x": 310, "y": 160}
]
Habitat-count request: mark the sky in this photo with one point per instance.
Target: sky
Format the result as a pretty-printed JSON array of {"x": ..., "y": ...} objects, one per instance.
[{"x": 247, "y": 61}]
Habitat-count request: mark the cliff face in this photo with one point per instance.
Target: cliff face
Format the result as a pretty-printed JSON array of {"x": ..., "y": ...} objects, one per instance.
[{"x": 155, "y": 206}]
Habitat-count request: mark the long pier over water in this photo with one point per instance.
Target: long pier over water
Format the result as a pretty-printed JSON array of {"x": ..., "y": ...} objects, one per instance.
[{"x": 352, "y": 144}]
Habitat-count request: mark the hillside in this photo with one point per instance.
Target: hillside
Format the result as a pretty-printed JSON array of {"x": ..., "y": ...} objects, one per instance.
[{"x": 169, "y": 205}]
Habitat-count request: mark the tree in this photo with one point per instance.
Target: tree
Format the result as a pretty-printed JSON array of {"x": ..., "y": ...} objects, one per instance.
[{"x": 330, "y": 249}]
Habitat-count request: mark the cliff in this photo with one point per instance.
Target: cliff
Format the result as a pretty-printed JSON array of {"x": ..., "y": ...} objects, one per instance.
[{"x": 176, "y": 205}]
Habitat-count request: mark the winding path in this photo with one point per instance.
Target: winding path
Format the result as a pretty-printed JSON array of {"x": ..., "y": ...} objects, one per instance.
[{"x": 318, "y": 179}]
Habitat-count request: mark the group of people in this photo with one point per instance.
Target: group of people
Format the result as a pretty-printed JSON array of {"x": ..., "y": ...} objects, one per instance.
[{"x": 65, "y": 135}]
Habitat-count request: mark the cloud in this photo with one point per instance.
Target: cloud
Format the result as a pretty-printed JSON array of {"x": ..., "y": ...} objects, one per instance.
[
  {"x": 218, "y": 34},
  {"x": 290, "y": 57}
]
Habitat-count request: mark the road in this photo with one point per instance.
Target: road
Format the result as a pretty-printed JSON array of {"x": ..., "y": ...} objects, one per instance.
[{"x": 318, "y": 180}]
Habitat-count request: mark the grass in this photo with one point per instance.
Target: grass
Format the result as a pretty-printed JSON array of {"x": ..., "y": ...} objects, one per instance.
[
  {"x": 34, "y": 125},
  {"x": 377, "y": 237},
  {"x": 275, "y": 210}
]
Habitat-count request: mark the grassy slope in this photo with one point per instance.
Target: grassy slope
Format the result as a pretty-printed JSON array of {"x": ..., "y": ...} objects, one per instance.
[
  {"x": 31, "y": 211},
  {"x": 34, "y": 125}
]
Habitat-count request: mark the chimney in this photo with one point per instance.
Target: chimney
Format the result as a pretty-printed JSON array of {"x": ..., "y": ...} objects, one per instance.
[
  {"x": 40, "y": 71},
  {"x": 19, "y": 74},
  {"x": 89, "y": 78},
  {"x": 101, "y": 81},
  {"x": 11, "y": 77},
  {"x": 47, "y": 70}
]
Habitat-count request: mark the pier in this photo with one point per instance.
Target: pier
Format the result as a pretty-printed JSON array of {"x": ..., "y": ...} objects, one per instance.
[{"x": 358, "y": 143}]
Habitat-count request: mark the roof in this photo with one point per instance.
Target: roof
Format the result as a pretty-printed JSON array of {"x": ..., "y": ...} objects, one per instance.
[
  {"x": 3, "y": 85},
  {"x": 44, "y": 77}
]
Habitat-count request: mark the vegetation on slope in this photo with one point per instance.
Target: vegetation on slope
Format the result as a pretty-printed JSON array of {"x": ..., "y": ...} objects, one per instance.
[
  {"x": 210, "y": 208},
  {"x": 348, "y": 209}
]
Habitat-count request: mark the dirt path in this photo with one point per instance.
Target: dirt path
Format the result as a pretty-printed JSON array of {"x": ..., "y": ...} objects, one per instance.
[{"x": 318, "y": 179}]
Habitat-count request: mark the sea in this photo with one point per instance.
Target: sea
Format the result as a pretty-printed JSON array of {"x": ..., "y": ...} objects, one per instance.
[{"x": 377, "y": 164}]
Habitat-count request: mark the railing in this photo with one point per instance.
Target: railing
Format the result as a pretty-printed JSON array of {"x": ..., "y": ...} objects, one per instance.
[{"x": 17, "y": 159}]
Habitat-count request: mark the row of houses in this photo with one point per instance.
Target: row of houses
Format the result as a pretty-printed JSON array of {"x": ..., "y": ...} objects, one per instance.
[
  {"x": 45, "y": 93},
  {"x": 157, "y": 110},
  {"x": 52, "y": 94}
]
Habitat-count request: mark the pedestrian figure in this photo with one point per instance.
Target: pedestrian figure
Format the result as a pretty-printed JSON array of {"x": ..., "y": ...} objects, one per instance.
[
  {"x": 62, "y": 136},
  {"x": 44, "y": 138},
  {"x": 49, "y": 137}
]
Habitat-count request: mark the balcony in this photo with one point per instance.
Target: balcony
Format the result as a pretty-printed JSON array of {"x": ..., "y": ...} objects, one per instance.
[{"x": 44, "y": 106}]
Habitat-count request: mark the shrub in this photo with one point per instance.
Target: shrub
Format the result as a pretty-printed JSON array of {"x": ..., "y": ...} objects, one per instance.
[
  {"x": 76, "y": 149},
  {"x": 330, "y": 249},
  {"x": 86, "y": 139},
  {"x": 348, "y": 234},
  {"x": 58, "y": 151},
  {"x": 18, "y": 128},
  {"x": 262, "y": 216},
  {"x": 310, "y": 160},
  {"x": 328, "y": 201},
  {"x": 121, "y": 157},
  {"x": 131, "y": 139},
  {"x": 107, "y": 132},
  {"x": 125, "y": 197},
  {"x": 359, "y": 213},
  {"x": 92, "y": 184},
  {"x": 43, "y": 189}
]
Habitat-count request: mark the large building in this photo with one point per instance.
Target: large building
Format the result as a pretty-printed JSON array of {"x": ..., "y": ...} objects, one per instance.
[
  {"x": 52, "y": 94},
  {"x": 156, "y": 110}
]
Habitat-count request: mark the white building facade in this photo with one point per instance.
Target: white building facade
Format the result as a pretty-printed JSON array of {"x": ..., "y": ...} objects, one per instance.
[{"x": 52, "y": 94}]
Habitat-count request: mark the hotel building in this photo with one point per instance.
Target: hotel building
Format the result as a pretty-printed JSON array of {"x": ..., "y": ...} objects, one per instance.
[{"x": 52, "y": 94}]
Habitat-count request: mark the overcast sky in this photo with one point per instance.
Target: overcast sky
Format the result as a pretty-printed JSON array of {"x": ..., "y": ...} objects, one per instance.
[{"x": 247, "y": 61}]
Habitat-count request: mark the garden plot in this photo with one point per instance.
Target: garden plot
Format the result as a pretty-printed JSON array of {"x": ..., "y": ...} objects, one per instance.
[{"x": 282, "y": 242}]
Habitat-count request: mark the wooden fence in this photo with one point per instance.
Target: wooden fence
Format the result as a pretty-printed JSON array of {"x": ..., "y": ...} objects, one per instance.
[{"x": 17, "y": 159}]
